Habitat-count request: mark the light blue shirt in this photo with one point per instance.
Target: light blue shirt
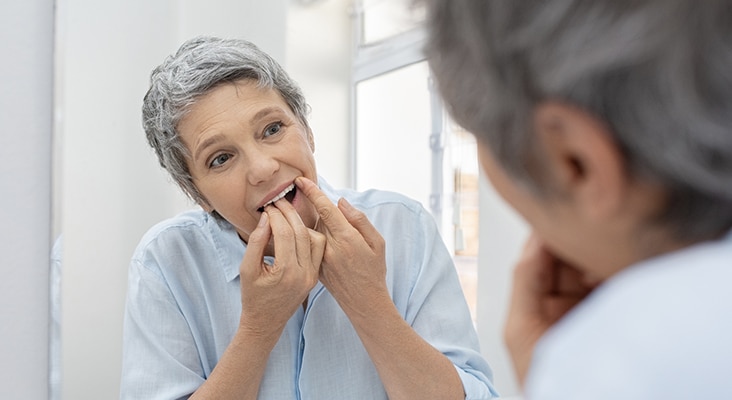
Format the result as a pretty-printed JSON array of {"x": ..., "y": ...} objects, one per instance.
[
  {"x": 661, "y": 329},
  {"x": 184, "y": 305}
]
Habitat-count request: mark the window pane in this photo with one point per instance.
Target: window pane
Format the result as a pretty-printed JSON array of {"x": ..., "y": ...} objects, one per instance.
[
  {"x": 386, "y": 18},
  {"x": 392, "y": 133},
  {"x": 464, "y": 166},
  {"x": 393, "y": 127}
]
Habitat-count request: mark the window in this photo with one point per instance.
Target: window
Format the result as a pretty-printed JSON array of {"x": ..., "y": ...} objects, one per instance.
[
  {"x": 402, "y": 138},
  {"x": 392, "y": 126},
  {"x": 383, "y": 19}
]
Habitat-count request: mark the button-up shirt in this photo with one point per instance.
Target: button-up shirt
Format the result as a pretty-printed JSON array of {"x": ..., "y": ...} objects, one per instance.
[
  {"x": 660, "y": 329},
  {"x": 184, "y": 305}
]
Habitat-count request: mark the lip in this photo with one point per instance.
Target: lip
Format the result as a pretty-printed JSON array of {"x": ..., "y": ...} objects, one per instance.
[{"x": 271, "y": 195}]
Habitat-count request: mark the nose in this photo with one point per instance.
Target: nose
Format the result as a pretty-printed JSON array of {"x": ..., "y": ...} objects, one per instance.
[{"x": 261, "y": 165}]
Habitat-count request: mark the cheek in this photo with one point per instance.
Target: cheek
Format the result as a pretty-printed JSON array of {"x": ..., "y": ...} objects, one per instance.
[
  {"x": 220, "y": 195},
  {"x": 312, "y": 217},
  {"x": 305, "y": 209},
  {"x": 306, "y": 164},
  {"x": 244, "y": 226},
  {"x": 227, "y": 199}
]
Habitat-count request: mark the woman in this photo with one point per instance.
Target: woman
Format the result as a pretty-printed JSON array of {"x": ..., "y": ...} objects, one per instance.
[
  {"x": 607, "y": 125},
  {"x": 271, "y": 290}
]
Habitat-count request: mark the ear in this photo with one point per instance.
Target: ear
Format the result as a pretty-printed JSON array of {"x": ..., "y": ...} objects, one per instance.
[{"x": 582, "y": 158}]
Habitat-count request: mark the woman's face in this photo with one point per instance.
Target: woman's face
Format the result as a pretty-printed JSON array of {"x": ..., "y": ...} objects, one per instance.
[{"x": 247, "y": 147}]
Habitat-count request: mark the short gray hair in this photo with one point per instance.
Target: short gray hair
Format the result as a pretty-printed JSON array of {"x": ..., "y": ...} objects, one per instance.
[
  {"x": 657, "y": 72},
  {"x": 200, "y": 65}
]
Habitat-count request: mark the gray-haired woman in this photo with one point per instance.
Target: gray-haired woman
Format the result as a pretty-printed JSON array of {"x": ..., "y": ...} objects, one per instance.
[
  {"x": 271, "y": 290},
  {"x": 608, "y": 126}
]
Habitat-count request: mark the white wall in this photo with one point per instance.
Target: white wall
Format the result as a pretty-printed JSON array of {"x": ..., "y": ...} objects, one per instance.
[
  {"x": 502, "y": 234},
  {"x": 26, "y": 29},
  {"x": 113, "y": 189}
]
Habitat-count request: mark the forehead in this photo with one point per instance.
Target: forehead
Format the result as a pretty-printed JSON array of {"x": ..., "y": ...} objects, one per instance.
[
  {"x": 241, "y": 100},
  {"x": 244, "y": 93}
]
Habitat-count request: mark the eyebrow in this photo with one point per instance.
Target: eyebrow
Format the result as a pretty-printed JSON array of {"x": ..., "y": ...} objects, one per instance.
[
  {"x": 261, "y": 114},
  {"x": 210, "y": 141}
]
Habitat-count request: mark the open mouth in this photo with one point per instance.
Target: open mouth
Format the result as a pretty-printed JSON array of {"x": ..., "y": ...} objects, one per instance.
[{"x": 288, "y": 194}]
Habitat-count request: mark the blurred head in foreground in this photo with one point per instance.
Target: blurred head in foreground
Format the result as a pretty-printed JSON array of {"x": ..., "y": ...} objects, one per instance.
[{"x": 606, "y": 124}]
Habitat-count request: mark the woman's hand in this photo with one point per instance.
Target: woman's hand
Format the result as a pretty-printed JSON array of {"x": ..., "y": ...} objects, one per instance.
[
  {"x": 354, "y": 264},
  {"x": 544, "y": 289},
  {"x": 272, "y": 293},
  {"x": 354, "y": 271}
]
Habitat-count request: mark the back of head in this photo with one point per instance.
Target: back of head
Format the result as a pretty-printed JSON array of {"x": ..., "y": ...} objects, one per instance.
[
  {"x": 657, "y": 72},
  {"x": 200, "y": 65}
]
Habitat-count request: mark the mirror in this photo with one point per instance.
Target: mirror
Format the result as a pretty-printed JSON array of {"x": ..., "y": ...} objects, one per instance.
[{"x": 108, "y": 182}]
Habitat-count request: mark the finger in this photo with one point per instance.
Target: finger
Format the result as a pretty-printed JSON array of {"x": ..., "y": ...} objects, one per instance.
[
  {"x": 569, "y": 280},
  {"x": 532, "y": 277},
  {"x": 330, "y": 215},
  {"x": 289, "y": 212},
  {"x": 284, "y": 245},
  {"x": 317, "y": 249},
  {"x": 256, "y": 246},
  {"x": 358, "y": 220},
  {"x": 301, "y": 232}
]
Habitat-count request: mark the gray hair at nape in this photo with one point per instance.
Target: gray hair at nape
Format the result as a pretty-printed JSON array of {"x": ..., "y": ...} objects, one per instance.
[
  {"x": 200, "y": 65},
  {"x": 657, "y": 72}
]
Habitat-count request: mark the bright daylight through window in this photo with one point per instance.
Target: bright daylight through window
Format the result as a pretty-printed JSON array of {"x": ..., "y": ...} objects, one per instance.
[{"x": 403, "y": 139}]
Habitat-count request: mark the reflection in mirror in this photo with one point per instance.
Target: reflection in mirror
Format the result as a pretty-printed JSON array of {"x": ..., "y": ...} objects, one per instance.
[{"x": 111, "y": 187}]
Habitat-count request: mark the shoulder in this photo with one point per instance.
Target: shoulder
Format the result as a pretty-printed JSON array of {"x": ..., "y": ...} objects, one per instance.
[
  {"x": 641, "y": 325},
  {"x": 190, "y": 231},
  {"x": 374, "y": 201},
  {"x": 190, "y": 220}
]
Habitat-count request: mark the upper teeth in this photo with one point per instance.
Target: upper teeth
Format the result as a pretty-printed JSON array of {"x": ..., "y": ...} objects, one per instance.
[{"x": 281, "y": 195}]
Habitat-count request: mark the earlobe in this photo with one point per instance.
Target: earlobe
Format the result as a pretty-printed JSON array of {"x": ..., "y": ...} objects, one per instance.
[{"x": 583, "y": 159}]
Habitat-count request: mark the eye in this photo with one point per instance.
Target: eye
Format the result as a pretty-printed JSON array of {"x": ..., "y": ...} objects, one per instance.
[
  {"x": 219, "y": 160},
  {"x": 273, "y": 129}
]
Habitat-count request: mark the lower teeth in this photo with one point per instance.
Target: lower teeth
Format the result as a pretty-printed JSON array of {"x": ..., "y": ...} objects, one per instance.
[{"x": 289, "y": 197}]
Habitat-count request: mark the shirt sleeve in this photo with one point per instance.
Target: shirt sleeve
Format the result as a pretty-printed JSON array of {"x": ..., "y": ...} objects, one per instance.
[
  {"x": 159, "y": 353},
  {"x": 437, "y": 310}
]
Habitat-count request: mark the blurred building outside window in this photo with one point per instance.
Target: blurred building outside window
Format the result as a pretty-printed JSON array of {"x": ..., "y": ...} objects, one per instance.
[{"x": 402, "y": 138}]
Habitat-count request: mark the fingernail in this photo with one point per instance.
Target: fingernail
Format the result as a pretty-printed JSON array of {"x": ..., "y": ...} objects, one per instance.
[
  {"x": 346, "y": 203},
  {"x": 262, "y": 220}
]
